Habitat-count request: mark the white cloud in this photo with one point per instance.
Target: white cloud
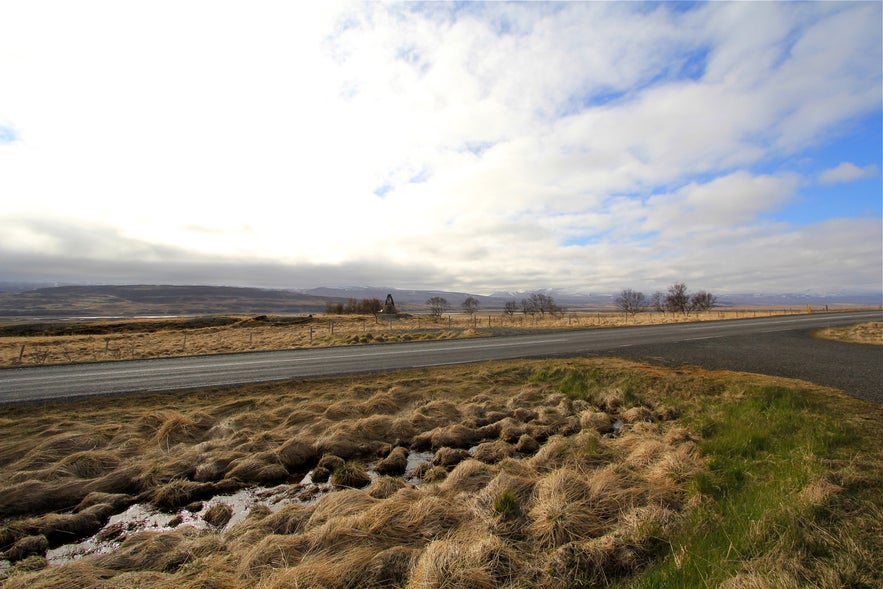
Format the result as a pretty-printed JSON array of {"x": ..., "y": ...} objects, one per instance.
[
  {"x": 725, "y": 201},
  {"x": 512, "y": 145},
  {"x": 847, "y": 172}
]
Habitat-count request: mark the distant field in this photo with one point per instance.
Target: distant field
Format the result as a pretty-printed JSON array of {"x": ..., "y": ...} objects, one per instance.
[
  {"x": 55, "y": 342},
  {"x": 130, "y": 300},
  {"x": 544, "y": 474}
]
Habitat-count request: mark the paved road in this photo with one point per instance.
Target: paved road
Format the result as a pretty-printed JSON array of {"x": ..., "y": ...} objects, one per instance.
[{"x": 730, "y": 337}]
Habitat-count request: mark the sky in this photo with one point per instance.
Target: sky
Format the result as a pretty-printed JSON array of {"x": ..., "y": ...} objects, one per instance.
[{"x": 480, "y": 147}]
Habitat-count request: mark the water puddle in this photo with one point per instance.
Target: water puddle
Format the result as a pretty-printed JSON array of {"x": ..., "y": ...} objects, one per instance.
[
  {"x": 144, "y": 517},
  {"x": 415, "y": 460}
]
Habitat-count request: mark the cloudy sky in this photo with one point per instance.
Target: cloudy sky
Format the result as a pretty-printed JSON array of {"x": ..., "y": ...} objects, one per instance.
[{"x": 469, "y": 146}]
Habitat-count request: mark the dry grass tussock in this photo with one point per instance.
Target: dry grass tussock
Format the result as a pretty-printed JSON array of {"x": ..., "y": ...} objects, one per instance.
[{"x": 579, "y": 503}]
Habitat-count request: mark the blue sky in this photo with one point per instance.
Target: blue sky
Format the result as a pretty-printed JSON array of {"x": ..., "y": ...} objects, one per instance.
[{"x": 472, "y": 146}]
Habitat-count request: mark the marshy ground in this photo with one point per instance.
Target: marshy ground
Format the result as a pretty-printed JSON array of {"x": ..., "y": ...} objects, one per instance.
[{"x": 558, "y": 473}]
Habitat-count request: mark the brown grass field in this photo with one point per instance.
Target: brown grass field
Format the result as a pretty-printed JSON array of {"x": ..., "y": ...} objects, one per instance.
[
  {"x": 581, "y": 473},
  {"x": 863, "y": 333},
  {"x": 25, "y": 344}
]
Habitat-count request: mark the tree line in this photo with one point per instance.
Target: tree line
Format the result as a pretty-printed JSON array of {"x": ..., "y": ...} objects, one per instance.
[
  {"x": 676, "y": 300},
  {"x": 371, "y": 306},
  {"x": 535, "y": 304}
]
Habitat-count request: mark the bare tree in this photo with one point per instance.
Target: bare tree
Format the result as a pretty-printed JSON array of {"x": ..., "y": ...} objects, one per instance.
[
  {"x": 677, "y": 300},
  {"x": 631, "y": 302},
  {"x": 528, "y": 307},
  {"x": 437, "y": 306},
  {"x": 470, "y": 305},
  {"x": 353, "y": 307},
  {"x": 658, "y": 301},
  {"x": 371, "y": 306},
  {"x": 510, "y": 308},
  {"x": 538, "y": 303},
  {"x": 702, "y": 301}
]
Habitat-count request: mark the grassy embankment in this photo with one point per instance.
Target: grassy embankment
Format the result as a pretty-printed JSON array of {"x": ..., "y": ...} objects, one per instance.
[
  {"x": 582, "y": 473},
  {"x": 29, "y": 344}
]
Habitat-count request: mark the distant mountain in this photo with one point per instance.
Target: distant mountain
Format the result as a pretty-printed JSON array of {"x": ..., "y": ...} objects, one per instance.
[
  {"x": 130, "y": 300},
  {"x": 801, "y": 299},
  {"x": 108, "y": 301}
]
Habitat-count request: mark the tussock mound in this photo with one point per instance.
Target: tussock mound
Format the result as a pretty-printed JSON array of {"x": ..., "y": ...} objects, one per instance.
[
  {"x": 25, "y": 547},
  {"x": 218, "y": 515},
  {"x": 562, "y": 512},
  {"x": 385, "y": 486},
  {"x": 526, "y": 445},
  {"x": 387, "y": 403},
  {"x": 273, "y": 552},
  {"x": 509, "y": 429},
  {"x": 347, "y": 447},
  {"x": 449, "y": 456},
  {"x": 341, "y": 503},
  {"x": 296, "y": 455},
  {"x": 125, "y": 480},
  {"x": 350, "y": 474},
  {"x": 636, "y": 414},
  {"x": 466, "y": 561},
  {"x": 147, "y": 551},
  {"x": 288, "y": 520},
  {"x": 395, "y": 463},
  {"x": 467, "y": 477},
  {"x": 452, "y": 436},
  {"x": 215, "y": 468},
  {"x": 168, "y": 428},
  {"x": 528, "y": 486},
  {"x": 59, "y": 446},
  {"x": 88, "y": 464},
  {"x": 262, "y": 468},
  {"x": 331, "y": 462},
  {"x": 414, "y": 518},
  {"x": 326, "y": 570},
  {"x": 35, "y": 497},
  {"x": 68, "y": 576},
  {"x": 493, "y": 452},
  {"x": 118, "y": 501},
  {"x": 179, "y": 493},
  {"x": 555, "y": 453},
  {"x": 599, "y": 421},
  {"x": 520, "y": 485},
  {"x": 389, "y": 568}
]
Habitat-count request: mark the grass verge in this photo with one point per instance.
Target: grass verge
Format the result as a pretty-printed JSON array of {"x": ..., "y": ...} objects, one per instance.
[
  {"x": 793, "y": 494},
  {"x": 862, "y": 333}
]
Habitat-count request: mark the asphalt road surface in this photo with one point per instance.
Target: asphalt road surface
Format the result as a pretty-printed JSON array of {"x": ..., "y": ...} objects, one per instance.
[{"x": 772, "y": 345}]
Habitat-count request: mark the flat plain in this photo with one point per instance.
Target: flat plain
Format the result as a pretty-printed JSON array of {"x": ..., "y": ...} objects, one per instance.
[{"x": 24, "y": 343}]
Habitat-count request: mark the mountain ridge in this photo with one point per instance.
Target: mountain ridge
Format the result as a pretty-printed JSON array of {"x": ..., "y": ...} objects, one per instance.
[{"x": 146, "y": 299}]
